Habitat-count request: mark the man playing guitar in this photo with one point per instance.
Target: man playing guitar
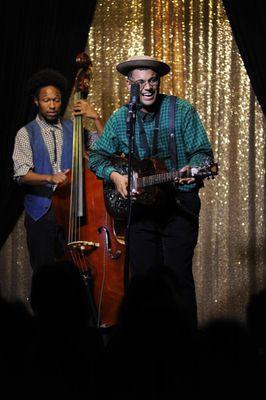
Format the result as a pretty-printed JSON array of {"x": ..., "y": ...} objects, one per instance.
[{"x": 167, "y": 128}]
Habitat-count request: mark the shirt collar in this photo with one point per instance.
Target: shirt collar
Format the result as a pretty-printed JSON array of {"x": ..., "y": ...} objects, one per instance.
[
  {"x": 45, "y": 126},
  {"x": 149, "y": 116}
]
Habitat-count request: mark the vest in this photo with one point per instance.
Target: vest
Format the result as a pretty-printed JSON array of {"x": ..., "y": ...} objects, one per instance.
[{"x": 38, "y": 199}]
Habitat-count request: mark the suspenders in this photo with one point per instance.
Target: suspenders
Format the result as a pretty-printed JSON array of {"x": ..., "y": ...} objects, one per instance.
[
  {"x": 171, "y": 146},
  {"x": 172, "y": 140},
  {"x": 143, "y": 137}
]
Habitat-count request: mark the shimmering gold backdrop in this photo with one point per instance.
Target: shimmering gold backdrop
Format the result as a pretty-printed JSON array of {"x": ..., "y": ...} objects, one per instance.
[{"x": 195, "y": 38}]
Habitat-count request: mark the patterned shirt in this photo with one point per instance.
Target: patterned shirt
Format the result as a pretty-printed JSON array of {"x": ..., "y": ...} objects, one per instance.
[
  {"x": 192, "y": 144},
  {"x": 53, "y": 139}
]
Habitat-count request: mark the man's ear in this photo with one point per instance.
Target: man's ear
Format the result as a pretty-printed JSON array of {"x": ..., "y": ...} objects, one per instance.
[
  {"x": 36, "y": 102},
  {"x": 128, "y": 84}
]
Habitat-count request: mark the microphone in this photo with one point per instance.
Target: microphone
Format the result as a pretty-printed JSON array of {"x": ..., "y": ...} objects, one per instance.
[
  {"x": 134, "y": 94},
  {"x": 132, "y": 105}
]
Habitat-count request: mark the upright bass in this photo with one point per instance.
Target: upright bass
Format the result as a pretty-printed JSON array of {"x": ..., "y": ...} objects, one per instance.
[{"x": 80, "y": 210}]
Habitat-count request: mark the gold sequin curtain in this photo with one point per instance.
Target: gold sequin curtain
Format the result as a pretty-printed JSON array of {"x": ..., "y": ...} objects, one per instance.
[
  {"x": 125, "y": 28},
  {"x": 195, "y": 38}
]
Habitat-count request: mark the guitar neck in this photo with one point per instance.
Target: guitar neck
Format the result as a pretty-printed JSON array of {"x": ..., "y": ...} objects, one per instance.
[{"x": 162, "y": 178}]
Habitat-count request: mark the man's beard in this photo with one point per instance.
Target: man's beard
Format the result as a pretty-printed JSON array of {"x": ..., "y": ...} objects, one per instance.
[{"x": 51, "y": 121}]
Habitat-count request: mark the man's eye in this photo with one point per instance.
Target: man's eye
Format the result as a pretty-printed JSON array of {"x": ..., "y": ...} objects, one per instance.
[
  {"x": 140, "y": 82},
  {"x": 56, "y": 100}
]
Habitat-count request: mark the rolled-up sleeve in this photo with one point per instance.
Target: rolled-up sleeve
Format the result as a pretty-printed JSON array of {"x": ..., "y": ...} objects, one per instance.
[
  {"x": 104, "y": 147},
  {"x": 22, "y": 154},
  {"x": 198, "y": 146}
]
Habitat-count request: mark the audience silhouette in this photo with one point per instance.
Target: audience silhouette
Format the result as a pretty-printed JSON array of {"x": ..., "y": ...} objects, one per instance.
[
  {"x": 66, "y": 348},
  {"x": 256, "y": 325},
  {"x": 16, "y": 335},
  {"x": 256, "y": 321},
  {"x": 154, "y": 351},
  {"x": 227, "y": 358}
]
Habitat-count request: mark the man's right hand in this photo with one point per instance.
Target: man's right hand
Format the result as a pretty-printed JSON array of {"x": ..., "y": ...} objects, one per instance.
[{"x": 120, "y": 182}]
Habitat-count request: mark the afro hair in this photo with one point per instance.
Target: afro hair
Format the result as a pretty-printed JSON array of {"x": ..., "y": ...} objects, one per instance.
[{"x": 47, "y": 77}]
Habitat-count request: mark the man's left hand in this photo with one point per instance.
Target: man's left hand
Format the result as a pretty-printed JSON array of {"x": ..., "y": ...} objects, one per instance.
[
  {"x": 82, "y": 107},
  {"x": 183, "y": 181}
]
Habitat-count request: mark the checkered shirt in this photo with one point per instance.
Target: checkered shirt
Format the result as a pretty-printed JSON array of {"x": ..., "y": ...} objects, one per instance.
[{"x": 192, "y": 143}]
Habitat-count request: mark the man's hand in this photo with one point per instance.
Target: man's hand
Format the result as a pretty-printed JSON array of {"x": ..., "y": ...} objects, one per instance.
[
  {"x": 183, "y": 181},
  {"x": 120, "y": 182},
  {"x": 60, "y": 178},
  {"x": 82, "y": 107},
  {"x": 35, "y": 179}
]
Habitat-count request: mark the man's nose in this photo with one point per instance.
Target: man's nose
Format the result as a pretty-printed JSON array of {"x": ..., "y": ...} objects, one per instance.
[
  {"x": 52, "y": 104},
  {"x": 147, "y": 84}
]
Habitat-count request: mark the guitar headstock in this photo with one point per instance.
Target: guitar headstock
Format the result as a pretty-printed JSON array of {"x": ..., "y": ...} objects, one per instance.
[{"x": 208, "y": 169}]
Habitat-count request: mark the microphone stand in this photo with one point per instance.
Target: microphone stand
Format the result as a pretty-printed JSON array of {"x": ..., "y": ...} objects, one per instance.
[{"x": 131, "y": 122}]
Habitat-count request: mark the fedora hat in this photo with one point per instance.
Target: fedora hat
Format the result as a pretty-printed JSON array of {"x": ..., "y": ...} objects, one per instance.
[{"x": 143, "y": 62}]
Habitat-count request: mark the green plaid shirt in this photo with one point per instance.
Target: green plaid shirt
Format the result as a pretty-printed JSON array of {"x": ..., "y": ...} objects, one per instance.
[{"x": 192, "y": 143}]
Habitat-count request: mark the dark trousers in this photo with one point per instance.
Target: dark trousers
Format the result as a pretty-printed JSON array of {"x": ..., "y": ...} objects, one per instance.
[
  {"x": 44, "y": 240},
  {"x": 168, "y": 235}
]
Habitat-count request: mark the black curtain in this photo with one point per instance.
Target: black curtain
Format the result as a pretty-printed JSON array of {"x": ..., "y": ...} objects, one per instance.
[
  {"x": 34, "y": 35},
  {"x": 248, "y": 22}
]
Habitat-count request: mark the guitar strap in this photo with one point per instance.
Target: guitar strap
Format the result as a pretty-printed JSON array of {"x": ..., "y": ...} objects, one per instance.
[
  {"x": 172, "y": 139},
  {"x": 155, "y": 135}
]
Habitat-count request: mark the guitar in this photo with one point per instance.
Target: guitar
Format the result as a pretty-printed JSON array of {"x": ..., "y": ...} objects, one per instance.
[{"x": 147, "y": 176}]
